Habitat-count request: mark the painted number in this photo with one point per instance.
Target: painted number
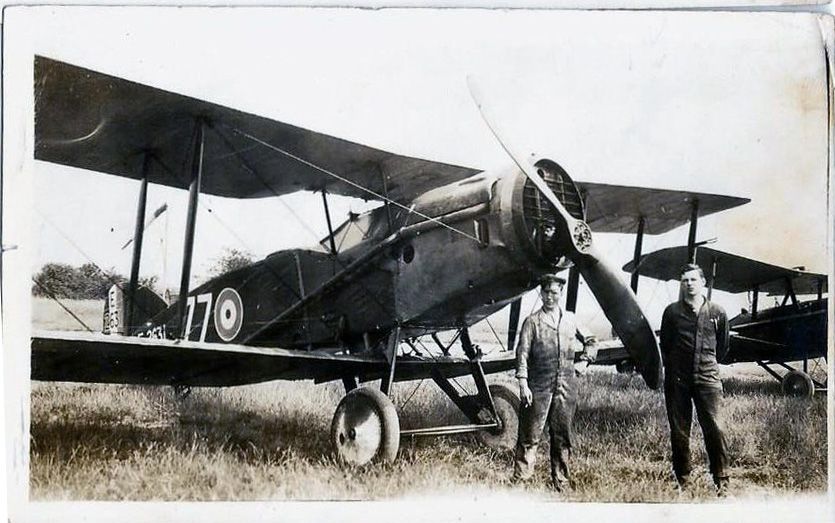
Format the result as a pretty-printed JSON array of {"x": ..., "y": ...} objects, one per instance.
[{"x": 191, "y": 304}]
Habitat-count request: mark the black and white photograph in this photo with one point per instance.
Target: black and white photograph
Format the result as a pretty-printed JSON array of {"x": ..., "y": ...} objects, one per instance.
[{"x": 493, "y": 263}]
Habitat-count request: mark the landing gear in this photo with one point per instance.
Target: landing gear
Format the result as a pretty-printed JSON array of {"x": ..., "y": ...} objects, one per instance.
[
  {"x": 625, "y": 366},
  {"x": 503, "y": 437},
  {"x": 798, "y": 383},
  {"x": 795, "y": 382},
  {"x": 365, "y": 428}
]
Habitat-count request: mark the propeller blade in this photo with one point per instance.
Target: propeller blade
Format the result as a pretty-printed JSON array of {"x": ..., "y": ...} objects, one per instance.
[
  {"x": 569, "y": 228},
  {"x": 513, "y": 323},
  {"x": 620, "y": 305},
  {"x": 617, "y": 300}
]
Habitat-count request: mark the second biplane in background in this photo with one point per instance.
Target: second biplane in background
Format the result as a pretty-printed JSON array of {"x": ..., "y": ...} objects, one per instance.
[{"x": 793, "y": 330}]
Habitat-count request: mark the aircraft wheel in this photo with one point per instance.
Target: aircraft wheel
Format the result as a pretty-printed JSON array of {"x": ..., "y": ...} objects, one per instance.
[
  {"x": 506, "y": 401},
  {"x": 797, "y": 383},
  {"x": 365, "y": 427}
]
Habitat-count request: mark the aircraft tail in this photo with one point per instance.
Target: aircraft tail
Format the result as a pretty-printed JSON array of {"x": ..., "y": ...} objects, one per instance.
[{"x": 147, "y": 305}]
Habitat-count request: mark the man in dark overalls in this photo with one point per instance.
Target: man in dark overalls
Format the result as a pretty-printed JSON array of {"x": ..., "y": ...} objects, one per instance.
[
  {"x": 694, "y": 333},
  {"x": 547, "y": 383}
]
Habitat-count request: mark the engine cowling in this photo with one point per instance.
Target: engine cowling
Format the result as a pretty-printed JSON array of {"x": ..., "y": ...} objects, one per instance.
[{"x": 536, "y": 221}]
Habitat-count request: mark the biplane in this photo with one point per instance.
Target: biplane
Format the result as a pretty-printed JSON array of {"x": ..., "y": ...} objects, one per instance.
[
  {"x": 449, "y": 246},
  {"x": 792, "y": 330}
]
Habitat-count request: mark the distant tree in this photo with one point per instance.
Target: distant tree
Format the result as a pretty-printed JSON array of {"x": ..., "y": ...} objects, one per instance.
[
  {"x": 56, "y": 279},
  {"x": 87, "y": 282},
  {"x": 230, "y": 260},
  {"x": 94, "y": 282}
]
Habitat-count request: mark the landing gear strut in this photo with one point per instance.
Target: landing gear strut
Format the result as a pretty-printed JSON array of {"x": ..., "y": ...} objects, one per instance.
[
  {"x": 366, "y": 427},
  {"x": 795, "y": 382},
  {"x": 506, "y": 403}
]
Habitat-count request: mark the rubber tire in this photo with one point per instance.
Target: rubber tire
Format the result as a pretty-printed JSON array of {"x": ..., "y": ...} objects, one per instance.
[
  {"x": 376, "y": 404},
  {"x": 507, "y": 402},
  {"x": 799, "y": 384}
]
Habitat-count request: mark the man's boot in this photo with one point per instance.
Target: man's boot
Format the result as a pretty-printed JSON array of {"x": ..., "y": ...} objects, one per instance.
[
  {"x": 722, "y": 487},
  {"x": 684, "y": 483}
]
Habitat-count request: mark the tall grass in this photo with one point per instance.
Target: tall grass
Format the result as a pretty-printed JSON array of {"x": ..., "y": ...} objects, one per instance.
[{"x": 270, "y": 441}]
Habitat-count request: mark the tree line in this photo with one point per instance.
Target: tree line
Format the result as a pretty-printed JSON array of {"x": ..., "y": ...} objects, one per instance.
[
  {"x": 86, "y": 282},
  {"x": 89, "y": 282}
]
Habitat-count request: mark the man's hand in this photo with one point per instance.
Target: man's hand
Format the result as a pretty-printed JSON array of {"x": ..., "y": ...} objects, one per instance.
[
  {"x": 589, "y": 353},
  {"x": 525, "y": 394}
]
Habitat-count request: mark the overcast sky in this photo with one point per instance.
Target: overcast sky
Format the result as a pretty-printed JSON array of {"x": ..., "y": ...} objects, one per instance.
[{"x": 728, "y": 103}]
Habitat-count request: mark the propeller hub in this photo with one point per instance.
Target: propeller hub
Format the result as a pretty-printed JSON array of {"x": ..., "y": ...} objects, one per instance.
[{"x": 581, "y": 237}]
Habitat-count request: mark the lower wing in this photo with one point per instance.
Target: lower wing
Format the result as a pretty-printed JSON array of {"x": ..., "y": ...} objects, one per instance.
[{"x": 100, "y": 358}]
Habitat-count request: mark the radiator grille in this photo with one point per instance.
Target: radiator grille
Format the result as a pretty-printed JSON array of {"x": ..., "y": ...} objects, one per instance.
[{"x": 538, "y": 212}]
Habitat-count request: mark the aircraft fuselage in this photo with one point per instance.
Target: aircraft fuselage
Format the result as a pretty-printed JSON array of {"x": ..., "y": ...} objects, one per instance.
[
  {"x": 791, "y": 332},
  {"x": 450, "y": 258}
]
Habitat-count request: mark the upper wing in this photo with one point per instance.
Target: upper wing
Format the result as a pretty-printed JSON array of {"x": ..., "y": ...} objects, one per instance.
[
  {"x": 618, "y": 208},
  {"x": 94, "y": 121},
  {"x": 100, "y": 358},
  {"x": 733, "y": 273}
]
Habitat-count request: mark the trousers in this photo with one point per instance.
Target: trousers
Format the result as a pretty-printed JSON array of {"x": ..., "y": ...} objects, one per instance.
[
  {"x": 556, "y": 409},
  {"x": 680, "y": 397}
]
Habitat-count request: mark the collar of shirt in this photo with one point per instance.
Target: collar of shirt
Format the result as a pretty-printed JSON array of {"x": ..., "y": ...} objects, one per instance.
[
  {"x": 552, "y": 318},
  {"x": 691, "y": 308}
]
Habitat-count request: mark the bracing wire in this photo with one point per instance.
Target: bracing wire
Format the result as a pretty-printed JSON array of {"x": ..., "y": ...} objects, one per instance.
[
  {"x": 435, "y": 359},
  {"x": 403, "y": 406},
  {"x": 81, "y": 251},
  {"x": 494, "y": 334},
  {"x": 255, "y": 174},
  {"x": 351, "y": 183},
  {"x": 56, "y": 300}
]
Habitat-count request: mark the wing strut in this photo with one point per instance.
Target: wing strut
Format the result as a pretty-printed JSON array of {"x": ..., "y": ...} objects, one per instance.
[
  {"x": 138, "y": 234},
  {"x": 513, "y": 323},
  {"x": 691, "y": 237},
  {"x": 386, "y": 195},
  {"x": 191, "y": 222},
  {"x": 573, "y": 286},
  {"x": 328, "y": 219},
  {"x": 713, "y": 266},
  {"x": 790, "y": 295},
  {"x": 639, "y": 241},
  {"x": 392, "y": 344}
]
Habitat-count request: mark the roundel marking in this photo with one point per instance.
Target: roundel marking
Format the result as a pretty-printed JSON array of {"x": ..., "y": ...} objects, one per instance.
[{"x": 229, "y": 314}]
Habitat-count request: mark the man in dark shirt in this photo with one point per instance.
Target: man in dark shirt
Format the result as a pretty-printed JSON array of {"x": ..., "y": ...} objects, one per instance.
[{"x": 694, "y": 333}]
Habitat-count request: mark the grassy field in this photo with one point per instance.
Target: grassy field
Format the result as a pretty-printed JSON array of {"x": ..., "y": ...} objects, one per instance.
[
  {"x": 270, "y": 442},
  {"x": 48, "y": 315}
]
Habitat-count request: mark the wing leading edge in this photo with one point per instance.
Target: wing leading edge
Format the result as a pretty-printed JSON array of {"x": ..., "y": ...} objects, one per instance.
[
  {"x": 90, "y": 120},
  {"x": 734, "y": 273},
  {"x": 618, "y": 208}
]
